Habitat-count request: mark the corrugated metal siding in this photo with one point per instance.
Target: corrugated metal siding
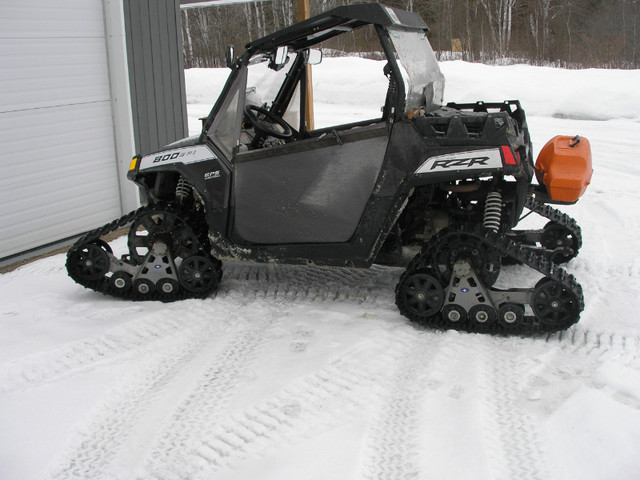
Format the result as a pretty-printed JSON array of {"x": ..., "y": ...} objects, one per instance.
[
  {"x": 58, "y": 172},
  {"x": 154, "y": 49}
]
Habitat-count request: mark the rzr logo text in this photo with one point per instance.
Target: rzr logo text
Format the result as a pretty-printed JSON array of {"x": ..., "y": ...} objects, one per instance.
[{"x": 460, "y": 162}]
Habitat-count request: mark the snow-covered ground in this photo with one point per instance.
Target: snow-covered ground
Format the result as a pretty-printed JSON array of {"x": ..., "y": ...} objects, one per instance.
[{"x": 311, "y": 373}]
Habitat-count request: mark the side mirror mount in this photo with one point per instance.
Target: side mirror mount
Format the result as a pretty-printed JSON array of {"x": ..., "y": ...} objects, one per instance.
[
  {"x": 280, "y": 58},
  {"x": 230, "y": 56},
  {"x": 313, "y": 56}
]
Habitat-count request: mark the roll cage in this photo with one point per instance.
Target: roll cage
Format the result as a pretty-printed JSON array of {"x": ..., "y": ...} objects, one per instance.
[{"x": 298, "y": 39}]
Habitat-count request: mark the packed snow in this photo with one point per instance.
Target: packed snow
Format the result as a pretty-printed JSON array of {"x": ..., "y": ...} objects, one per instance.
[{"x": 311, "y": 373}]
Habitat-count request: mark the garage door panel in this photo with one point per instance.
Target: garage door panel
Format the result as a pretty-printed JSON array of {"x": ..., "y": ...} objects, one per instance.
[
  {"x": 46, "y": 226},
  {"x": 37, "y": 73},
  {"x": 58, "y": 166},
  {"x": 72, "y": 129},
  {"x": 54, "y": 171},
  {"x": 44, "y": 18},
  {"x": 93, "y": 191},
  {"x": 49, "y": 195},
  {"x": 37, "y": 172},
  {"x": 56, "y": 141}
]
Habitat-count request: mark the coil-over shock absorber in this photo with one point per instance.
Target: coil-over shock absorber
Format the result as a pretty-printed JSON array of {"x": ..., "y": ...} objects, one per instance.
[
  {"x": 183, "y": 189},
  {"x": 493, "y": 211}
]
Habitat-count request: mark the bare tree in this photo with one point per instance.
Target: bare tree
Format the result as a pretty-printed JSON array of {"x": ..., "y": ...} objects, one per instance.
[
  {"x": 499, "y": 14},
  {"x": 564, "y": 32}
]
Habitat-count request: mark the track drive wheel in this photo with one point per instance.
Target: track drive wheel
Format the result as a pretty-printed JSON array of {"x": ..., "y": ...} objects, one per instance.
[
  {"x": 161, "y": 226},
  {"x": 463, "y": 245}
]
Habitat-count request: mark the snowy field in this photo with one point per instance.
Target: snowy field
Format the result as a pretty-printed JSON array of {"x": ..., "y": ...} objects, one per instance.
[{"x": 311, "y": 373}]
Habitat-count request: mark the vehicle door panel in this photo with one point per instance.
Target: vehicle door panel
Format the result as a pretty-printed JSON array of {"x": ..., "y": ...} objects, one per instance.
[{"x": 310, "y": 191}]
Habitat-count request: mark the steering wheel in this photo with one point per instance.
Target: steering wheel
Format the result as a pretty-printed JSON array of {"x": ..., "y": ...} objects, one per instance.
[{"x": 267, "y": 123}]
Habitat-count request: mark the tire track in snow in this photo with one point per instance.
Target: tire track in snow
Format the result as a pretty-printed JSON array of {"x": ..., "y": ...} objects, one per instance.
[
  {"x": 312, "y": 404},
  {"x": 295, "y": 283},
  {"x": 94, "y": 450},
  {"x": 206, "y": 401},
  {"x": 392, "y": 444},
  {"x": 243, "y": 281},
  {"x": 484, "y": 373},
  {"x": 591, "y": 342},
  {"x": 119, "y": 342},
  {"x": 375, "y": 286},
  {"x": 514, "y": 450}
]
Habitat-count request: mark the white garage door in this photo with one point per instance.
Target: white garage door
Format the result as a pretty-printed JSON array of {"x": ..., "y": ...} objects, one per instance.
[{"x": 58, "y": 165}]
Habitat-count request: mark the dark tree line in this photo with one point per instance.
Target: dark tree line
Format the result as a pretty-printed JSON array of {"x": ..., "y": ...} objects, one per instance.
[
  {"x": 570, "y": 33},
  {"x": 207, "y": 31}
]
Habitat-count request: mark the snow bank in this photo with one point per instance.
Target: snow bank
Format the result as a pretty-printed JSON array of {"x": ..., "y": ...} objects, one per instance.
[{"x": 592, "y": 94}]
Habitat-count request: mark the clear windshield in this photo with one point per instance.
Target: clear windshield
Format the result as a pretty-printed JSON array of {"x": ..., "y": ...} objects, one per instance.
[
  {"x": 263, "y": 83},
  {"x": 424, "y": 82}
]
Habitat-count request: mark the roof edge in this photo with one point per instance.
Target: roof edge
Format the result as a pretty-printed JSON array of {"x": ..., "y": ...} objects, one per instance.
[{"x": 355, "y": 15}]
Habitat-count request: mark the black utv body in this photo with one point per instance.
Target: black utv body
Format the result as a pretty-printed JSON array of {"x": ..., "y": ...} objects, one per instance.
[{"x": 436, "y": 189}]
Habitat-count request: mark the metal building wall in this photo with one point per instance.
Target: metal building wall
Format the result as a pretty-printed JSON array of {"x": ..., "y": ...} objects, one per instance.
[
  {"x": 71, "y": 112},
  {"x": 154, "y": 48},
  {"x": 58, "y": 167}
]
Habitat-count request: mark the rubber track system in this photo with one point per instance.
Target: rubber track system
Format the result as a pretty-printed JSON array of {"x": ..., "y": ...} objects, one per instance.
[
  {"x": 523, "y": 254},
  {"x": 555, "y": 215},
  {"x": 558, "y": 219},
  {"x": 101, "y": 278}
]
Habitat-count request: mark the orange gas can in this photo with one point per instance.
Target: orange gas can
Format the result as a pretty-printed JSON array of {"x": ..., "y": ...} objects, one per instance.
[{"x": 564, "y": 167}]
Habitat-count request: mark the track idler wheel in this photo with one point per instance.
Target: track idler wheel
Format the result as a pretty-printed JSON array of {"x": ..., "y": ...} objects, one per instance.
[
  {"x": 90, "y": 262},
  {"x": 556, "y": 236},
  {"x": 419, "y": 296},
  {"x": 483, "y": 316},
  {"x": 199, "y": 274},
  {"x": 554, "y": 305},
  {"x": 454, "y": 314},
  {"x": 510, "y": 315},
  {"x": 144, "y": 287},
  {"x": 167, "y": 288},
  {"x": 120, "y": 281}
]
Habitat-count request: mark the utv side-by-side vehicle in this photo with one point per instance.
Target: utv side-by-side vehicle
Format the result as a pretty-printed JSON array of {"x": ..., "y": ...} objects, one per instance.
[{"x": 438, "y": 189}]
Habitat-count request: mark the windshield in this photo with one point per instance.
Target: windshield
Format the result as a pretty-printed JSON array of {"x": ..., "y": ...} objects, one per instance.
[
  {"x": 263, "y": 83},
  {"x": 424, "y": 82},
  {"x": 263, "y": 86}
]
